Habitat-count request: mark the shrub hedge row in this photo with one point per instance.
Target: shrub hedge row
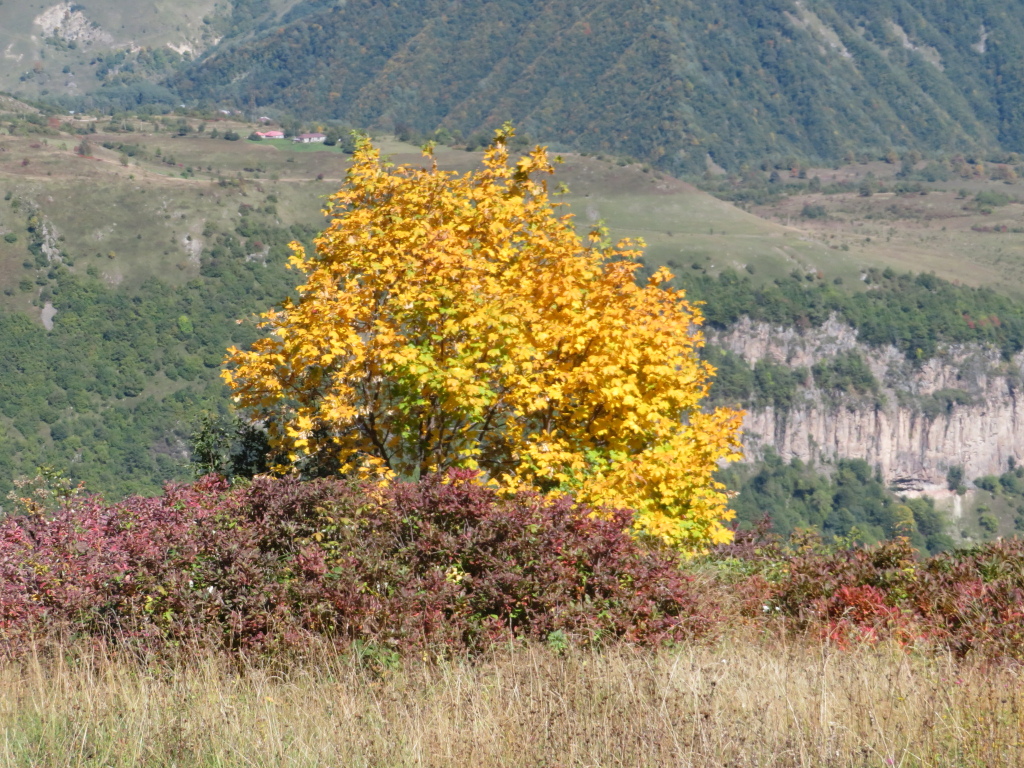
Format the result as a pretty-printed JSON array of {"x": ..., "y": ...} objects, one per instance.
[
  {"x": 444, "y": 563},
  {"x": 448, "y": 566}
]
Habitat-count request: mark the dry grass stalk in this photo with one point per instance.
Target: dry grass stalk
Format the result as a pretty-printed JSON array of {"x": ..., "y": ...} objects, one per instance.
[{"x": 738, "y": 704}]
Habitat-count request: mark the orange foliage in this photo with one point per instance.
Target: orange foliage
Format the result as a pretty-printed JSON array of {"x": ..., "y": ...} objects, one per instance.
[{"x": 452, "y": 320}]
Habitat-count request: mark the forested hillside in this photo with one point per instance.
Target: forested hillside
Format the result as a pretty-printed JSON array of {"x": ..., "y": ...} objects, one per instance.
[
  {"x": 670, "y": 82},
  {"x": 110, "y": 395},
  {"x": 673, "y": 82}
]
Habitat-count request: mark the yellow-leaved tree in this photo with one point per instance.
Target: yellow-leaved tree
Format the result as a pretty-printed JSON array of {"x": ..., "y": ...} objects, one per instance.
[{"x": 457, "y": 320}]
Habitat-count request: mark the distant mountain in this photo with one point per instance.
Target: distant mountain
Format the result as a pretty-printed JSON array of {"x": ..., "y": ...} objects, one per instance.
[
  {"x": 666, "y": 81},
  {"x": 672, "y": 82},
  {"x": 115, "y": 54}
]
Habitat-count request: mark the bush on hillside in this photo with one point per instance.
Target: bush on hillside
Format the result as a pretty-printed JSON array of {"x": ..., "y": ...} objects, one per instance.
[
  {"x": 967, "y": 602},
  {"x": 814, "y": 211},
  {"x": 988, "y": 483},
  {"x": 444, "y": 565},
  {"x": 992, "y": 199}
]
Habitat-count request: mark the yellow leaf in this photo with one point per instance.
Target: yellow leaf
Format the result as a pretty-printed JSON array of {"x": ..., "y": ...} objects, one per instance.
[{"x": 455, "y": 320}]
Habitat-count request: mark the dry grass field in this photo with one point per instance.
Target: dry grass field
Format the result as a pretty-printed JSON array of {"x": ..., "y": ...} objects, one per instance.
[
  {"x": 744, "y": 702},
  {"x": 943, "y": 230}
]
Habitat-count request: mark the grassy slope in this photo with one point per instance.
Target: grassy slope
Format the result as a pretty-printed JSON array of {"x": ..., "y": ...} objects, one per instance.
[
  {"x": 942, "y": 231},
  {"x": 682, "y": 226},
  {"x": 145, "y": 212},
  {"x": 685, "y": 228}
]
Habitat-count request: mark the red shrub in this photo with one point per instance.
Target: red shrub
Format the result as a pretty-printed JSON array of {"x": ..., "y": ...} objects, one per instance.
[
  {"x": 146, "y": 569},
  {"x": 861, "y": 613},
  {"x": 446, "y": 561},
  {"x": 443, "y": 563},
  {"x": 970, "y": 601}
]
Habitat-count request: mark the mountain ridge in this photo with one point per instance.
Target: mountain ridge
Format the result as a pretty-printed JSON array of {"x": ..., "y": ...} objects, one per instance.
[
  {"x": 667, "y": 82},
  {"x": 679, "y": 84}
]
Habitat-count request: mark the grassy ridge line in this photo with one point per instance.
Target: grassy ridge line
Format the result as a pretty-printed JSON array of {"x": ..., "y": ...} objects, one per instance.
[
  {"x": 682, "y": 226},
  {"x": 742, "y": 703}
]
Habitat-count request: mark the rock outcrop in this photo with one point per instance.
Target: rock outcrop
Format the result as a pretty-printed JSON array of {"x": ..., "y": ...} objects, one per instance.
[
  {"x": 964, "y": 407},
  {"x": 68, "y": 22}
]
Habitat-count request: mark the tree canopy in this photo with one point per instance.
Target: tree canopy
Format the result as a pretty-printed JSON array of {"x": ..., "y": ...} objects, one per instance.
[{"x": 458, "y": 320}]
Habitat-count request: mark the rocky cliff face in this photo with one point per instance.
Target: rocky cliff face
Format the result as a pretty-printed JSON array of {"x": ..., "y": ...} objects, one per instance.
[{"x": 963, "y": 408}]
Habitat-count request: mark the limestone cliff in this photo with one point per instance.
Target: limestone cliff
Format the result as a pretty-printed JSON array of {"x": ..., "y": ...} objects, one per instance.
[{"x": 964, "y": 407}]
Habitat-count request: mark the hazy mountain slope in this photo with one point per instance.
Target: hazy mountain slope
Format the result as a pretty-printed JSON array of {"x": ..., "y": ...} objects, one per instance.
[
  {"x": 64, "y": 49},
  {"x": 103, "y": 51},
  {"x": 668, "y": 81}
]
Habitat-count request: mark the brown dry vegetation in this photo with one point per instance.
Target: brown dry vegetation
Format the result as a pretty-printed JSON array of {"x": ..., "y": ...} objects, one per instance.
[
  {"x": 744, "y": 702},
  {"x": 942, "y": 230}
]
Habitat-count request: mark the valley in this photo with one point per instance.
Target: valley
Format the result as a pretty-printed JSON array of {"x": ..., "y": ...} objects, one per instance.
[
  {"x": 767, "y": 510},
  {"x": 121, "y": 202}
]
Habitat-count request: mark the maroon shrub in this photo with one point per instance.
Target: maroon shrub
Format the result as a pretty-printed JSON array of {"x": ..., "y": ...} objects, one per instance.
[
  {"x": 143, "y": 571},
  {"x": 974, "y": 599},
  {"x": 448, "y": 562},
  {"x": 817, "y": 576},
  {"x": 441, "y": 564},
  {"x": 969, "y": 601}
]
